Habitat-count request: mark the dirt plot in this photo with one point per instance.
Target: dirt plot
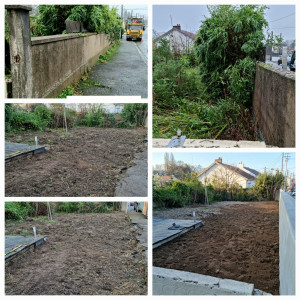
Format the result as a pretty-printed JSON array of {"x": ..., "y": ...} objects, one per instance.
[
  {"x": 239, "y": 242},
  {"x": 83, "y": 162},
  {"x": 85, "y": 254}
]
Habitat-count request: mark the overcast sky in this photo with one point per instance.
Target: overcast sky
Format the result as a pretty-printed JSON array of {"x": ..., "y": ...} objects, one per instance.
[
  {"x": 136, "y": 9},
  {"x": 257, "y": 161},
  {"x": 281, "y": 18}
]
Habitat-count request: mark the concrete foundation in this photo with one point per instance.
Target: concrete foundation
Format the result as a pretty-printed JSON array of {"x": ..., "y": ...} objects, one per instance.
[
  {"x": 13, "y": 150},
  {"x": 199, "y": 143},
  {"x": 162, "y": 234},
  {"x": 14, "y": 245},
  {"x": 174, "y": 282}
]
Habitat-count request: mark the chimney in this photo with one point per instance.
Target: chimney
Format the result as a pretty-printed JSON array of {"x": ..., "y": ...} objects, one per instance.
[
  {"x": 219, "y": 160},
  {"x": 177, "y": 27},
  {"x": 240, "y": 165}
]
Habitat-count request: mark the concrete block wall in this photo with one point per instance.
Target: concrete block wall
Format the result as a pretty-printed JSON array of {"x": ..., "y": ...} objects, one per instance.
[
  {"x": 274, "y": 105},
  {"x": 286, "y": 244},
  {"x": 60, "y": 60}
]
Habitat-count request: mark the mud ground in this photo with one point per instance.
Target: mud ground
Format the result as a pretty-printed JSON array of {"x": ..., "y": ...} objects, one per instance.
[
  {"x": 85, "y": 254},
  {"x": 239, "y": 242},
  {"x": 83, "y": 162}
]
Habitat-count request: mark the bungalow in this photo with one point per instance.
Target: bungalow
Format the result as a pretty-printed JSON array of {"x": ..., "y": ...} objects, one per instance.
[{"x": 227, "y": 175}]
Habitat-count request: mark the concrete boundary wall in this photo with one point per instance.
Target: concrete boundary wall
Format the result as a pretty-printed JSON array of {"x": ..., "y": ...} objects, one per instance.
[
  {"x": 274, "y": 105},
  {"x": 286, "y": 244},
  {"x": 60, "y": 60},
  {"x": 174, "y": 282},
  {"x": 43, "y": 66}
]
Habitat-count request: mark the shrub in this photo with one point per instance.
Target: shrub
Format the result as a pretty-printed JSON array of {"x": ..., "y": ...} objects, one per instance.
[
  {"x": 134, "y": 114},
  {"x": 17, "y": 210},
  {"x": 229, "y": 36}
]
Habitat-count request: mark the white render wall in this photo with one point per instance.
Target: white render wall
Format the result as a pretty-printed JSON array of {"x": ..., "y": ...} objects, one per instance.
[
  {"x": 218, "y": 171},
  {"x": 286, "y": 244},
  {"x": 179, "y": 41}
]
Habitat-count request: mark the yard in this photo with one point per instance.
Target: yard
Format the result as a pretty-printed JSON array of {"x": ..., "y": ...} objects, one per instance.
[
  {"x": 82, "y": 162},
  {"x": 238, "y": 241},
  {"x": 85, "y": 254}
]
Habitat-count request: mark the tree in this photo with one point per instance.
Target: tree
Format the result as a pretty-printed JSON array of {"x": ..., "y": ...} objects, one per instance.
[
  {"x": 95, "y": 18},
  {"x": 267, "y": 184},
  {"x": 227, "y": 46},
  {"x": 225, "y": 179}
]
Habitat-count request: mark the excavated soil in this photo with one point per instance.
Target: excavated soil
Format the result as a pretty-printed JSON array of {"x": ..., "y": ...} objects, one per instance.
[
  {"x": 83, "y": 162},
  {"x": 85, "y": 254},
  {"x": 239, "y": 242}
]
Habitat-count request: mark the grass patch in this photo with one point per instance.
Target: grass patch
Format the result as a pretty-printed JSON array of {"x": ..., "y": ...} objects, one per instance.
[{"x": 109, "y": 54}]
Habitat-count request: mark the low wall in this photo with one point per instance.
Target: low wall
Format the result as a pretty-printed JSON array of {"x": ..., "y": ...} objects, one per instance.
[
  {"x": 59, "y": 60},
  {"x": 286, "y": 244},
  {"x": 274, "y": 105}
]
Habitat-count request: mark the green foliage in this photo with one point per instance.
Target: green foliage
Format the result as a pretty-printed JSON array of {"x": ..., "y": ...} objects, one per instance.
[
  {"x": 38, "y": 117},
  {"x": 134, "y": 114},
  {"x": 95, "y": 18},
  {"x": 200, "y": 120},
  {"x": 267, "y": 184},
  {"x": 17, "y": 119},
  {"x": 68, "y": 91},
  {"x": 8, "y": 116},
  {"x": 229, "y": 36},
  {"x": 109, "y": 54},
  {"x": 86, "y": 207},
  {"x": 207, "y": 93},
  {"x": 95, "y": 118},
  {"x": 17, "y": 210}
]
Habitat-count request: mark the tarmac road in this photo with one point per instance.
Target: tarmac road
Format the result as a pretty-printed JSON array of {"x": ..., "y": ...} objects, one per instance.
[{"x": 126, "y": 74}]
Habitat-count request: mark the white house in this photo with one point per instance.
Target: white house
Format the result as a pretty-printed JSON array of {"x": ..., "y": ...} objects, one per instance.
[
  {"x": 180, "y": 40},
  {"x": 228, "y": 175}
]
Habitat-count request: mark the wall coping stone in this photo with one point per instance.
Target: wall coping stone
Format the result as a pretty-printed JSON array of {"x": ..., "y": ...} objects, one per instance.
[
  {"x": 279, "y": 71},
  {"x": 23, "y": 7},
  {"x": 58, "y": 37}
]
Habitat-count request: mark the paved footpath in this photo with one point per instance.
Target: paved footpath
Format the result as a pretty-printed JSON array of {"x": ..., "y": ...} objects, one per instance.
[
  {"x": 135, "y": 181},
  {"x": 126, "y": 74}
]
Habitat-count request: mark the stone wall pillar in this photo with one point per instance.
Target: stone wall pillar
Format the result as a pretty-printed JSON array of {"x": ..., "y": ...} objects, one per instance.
[{"x": 20, "y": 50}]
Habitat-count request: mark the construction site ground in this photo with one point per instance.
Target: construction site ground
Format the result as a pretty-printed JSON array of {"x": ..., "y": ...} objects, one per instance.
[
  {"x": 238, "y": 241},
  {"x": 82, "y": 162},
  {"x": 84, "y": 254}
]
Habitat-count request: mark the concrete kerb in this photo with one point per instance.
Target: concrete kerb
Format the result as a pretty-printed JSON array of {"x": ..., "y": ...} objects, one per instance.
[
  {"x": 203, "y": 143},
  {"x": 174, "y": 282}
]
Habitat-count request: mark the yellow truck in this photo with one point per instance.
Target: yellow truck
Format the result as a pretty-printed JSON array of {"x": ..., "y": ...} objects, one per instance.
[{"x": 134, "y": 29}]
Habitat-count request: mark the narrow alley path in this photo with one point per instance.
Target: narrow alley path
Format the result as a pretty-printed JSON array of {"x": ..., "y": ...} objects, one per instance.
[{"x": 126, "y": 74}]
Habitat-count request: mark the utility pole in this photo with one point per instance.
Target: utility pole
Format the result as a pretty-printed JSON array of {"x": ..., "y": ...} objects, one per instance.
[
  {"x": 65, "y": 118},
  {"x": 271, "y": 47},
  {"x": 282, "y": 162},
  {"x": 286, "y": 170}
]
